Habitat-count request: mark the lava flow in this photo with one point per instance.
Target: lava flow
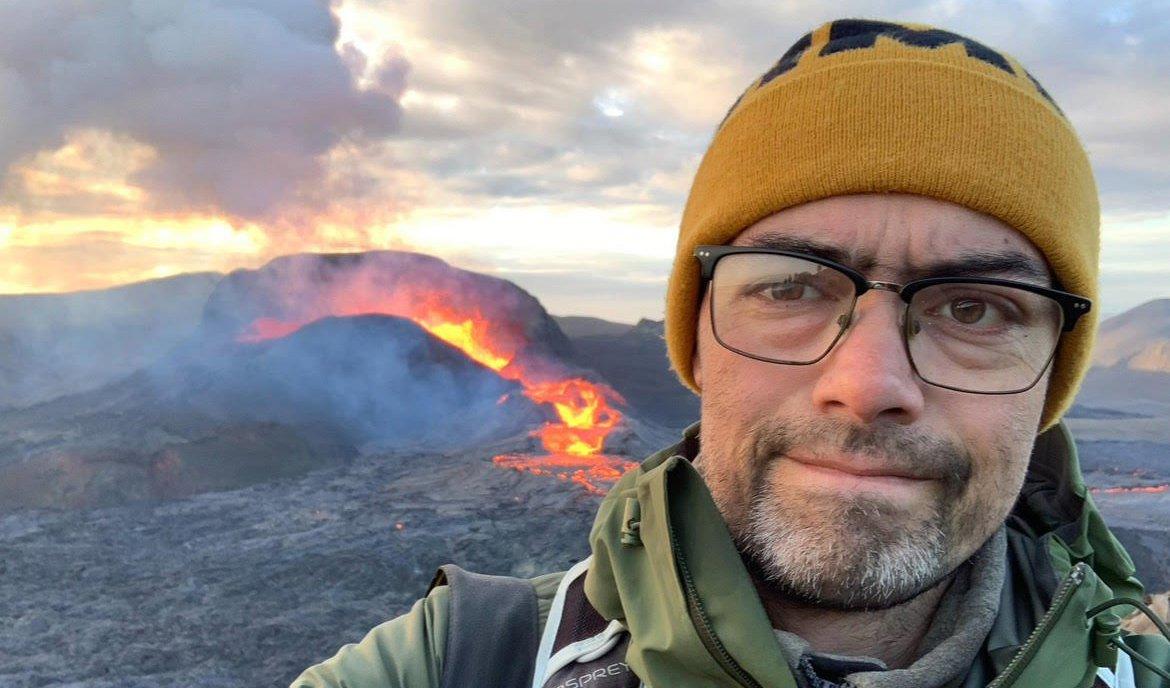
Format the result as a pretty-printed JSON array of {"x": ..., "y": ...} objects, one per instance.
[
  {"x": 1134, "y": 489},
  {"x": 593, "y": 473},
  {"x": 584, "y": 409}
]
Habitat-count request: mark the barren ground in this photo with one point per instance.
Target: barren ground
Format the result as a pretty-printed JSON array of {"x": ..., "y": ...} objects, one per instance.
[{"x": 247, "y": 588}]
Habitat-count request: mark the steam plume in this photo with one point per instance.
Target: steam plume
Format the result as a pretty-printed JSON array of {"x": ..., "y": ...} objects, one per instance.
[{"x": 239, "y": 99}]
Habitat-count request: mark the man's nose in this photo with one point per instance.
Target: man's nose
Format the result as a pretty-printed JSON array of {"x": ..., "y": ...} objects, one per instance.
[{"x": 867, "y": 376}]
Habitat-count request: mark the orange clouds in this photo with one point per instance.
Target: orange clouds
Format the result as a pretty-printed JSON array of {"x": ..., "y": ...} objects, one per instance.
[{"x": 89, "y": 173}]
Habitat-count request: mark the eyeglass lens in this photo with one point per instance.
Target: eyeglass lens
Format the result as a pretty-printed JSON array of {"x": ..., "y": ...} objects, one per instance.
[{"x": 967, "y": 336}]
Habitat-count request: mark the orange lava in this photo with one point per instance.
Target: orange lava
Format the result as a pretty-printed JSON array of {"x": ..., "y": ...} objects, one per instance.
[
  {"x": 595, "y": 473},
  {"x": 1137, "y": 489},
  {"x": 268, "y": 328},
  {"x": 582, "y": 407},
  {"x": 469, "y": 333},
  {"x": 586, "y": 416}
]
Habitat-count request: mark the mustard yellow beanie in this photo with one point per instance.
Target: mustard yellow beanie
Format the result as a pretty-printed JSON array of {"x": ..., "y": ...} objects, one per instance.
[{"x": 860, "y": 106}]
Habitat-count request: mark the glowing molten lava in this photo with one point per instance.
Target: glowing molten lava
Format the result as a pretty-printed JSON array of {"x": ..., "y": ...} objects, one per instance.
[
  {"x": 269, "y": 328},
  {"x": 593, "y": 473},
  {"x": 1138, "y": 489},
  {"x": 586, "y": 417},
  {"x": 583, "y": 408}
]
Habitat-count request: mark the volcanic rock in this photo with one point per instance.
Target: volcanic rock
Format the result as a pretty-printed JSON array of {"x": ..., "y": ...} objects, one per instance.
[
  {"x": 249, "y": 587},
  {"x": 1094, "y": 413},
  {"x": 318, "y": 463},
  {"x": 312, "y": 359},
  {"x": 1136, "y": 392},
  {"x": 1140, "y": 522},
  {"x": 370, "y": 378}
]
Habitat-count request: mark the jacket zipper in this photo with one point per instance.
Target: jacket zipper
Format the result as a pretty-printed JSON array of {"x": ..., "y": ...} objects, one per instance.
[
  {"x": 702, "y": 622},
  {"x": 1060, "y": 600}
]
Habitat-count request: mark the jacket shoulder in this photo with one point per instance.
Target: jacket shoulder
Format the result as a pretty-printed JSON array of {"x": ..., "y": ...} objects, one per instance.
[{"x": 407, "y": 651}]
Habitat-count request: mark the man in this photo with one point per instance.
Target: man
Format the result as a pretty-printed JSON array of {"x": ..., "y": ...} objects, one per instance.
[{"x": 883, "y": 294}]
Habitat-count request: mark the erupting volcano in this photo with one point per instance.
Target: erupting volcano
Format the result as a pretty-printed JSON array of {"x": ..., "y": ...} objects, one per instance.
[
  {"x": 584, "y": 409},
  {"x": 468, "y": 314}
]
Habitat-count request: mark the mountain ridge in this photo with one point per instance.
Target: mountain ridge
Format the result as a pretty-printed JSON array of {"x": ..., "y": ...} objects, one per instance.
[{"x": 1138, "y": 339}]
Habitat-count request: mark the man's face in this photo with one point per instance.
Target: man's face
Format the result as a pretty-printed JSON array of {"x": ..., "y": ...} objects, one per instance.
[{"x": 851, "y": 483}]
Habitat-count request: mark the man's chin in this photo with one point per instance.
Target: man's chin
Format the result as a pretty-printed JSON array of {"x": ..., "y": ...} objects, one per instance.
[
  {"x": 863, "y": 553},
  {"x": 836, "y": 595},
  {"x": 847, "y": 593}
]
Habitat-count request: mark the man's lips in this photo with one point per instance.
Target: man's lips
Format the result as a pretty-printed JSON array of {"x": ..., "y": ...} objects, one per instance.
[{"x": 860, "y": 467}]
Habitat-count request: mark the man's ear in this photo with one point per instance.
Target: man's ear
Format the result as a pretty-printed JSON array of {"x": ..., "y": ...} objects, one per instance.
[
  {"x": 696, "y": 364},
  {"x": 696, "y": 369}
]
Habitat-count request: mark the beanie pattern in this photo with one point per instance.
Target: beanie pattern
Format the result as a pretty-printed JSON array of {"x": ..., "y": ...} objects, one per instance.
[{"x": 863, "y": 106}]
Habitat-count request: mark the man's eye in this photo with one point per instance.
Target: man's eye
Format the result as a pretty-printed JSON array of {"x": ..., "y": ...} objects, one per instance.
[
  {"x": 789, "y": 291},
  {"x": 969, "y": 311}
]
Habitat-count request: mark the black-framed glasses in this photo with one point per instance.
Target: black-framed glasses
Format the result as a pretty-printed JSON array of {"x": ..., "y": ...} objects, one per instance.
[{"x": 970, "y": 334}]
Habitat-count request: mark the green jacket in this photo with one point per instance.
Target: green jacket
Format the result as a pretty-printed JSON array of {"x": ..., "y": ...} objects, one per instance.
[{"x": 677, "y": 583}]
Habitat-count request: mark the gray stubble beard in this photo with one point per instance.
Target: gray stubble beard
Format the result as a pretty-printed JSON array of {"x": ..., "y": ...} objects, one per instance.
[{"x": 857, "y": 552}]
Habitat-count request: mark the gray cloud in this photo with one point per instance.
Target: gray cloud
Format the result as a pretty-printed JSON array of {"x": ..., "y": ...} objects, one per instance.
[
  {"x": 539, "y": 71},
  {"x": 240, "y": 99},
  {"x": 252, "y": 107},
  {"x": 528, "y": 123}
]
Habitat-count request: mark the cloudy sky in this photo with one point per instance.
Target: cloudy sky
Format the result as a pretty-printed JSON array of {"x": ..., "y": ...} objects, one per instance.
[{"x": 548, "y": 142}]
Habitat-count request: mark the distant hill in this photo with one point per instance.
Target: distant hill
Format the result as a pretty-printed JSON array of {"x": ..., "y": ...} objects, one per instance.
[
  {"x": 1093, "y": 413},
  {"x": 1130, "y": 375},
  {"x": 57, "y": 344},
  {"x": 583, "y": 326},
  {"x": 1138, "y": 339}
]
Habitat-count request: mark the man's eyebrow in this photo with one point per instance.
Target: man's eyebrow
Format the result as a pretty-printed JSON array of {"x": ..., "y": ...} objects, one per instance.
[
  {"x": 1006, "y": 263},
  {"x": 783, "y": 242},
  {"x": 986, "y": 263}
]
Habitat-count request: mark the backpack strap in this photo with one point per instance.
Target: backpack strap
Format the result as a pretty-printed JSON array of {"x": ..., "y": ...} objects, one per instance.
[
  {"x": 491, "y": 630},
  {"x": 579, "y": 647}
]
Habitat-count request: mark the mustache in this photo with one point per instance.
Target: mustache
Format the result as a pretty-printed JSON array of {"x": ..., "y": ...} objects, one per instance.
[{"x": 909, "y": 453}]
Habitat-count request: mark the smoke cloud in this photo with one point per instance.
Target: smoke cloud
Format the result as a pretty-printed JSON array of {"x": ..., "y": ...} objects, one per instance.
[{"x": 239, "y": 100}]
